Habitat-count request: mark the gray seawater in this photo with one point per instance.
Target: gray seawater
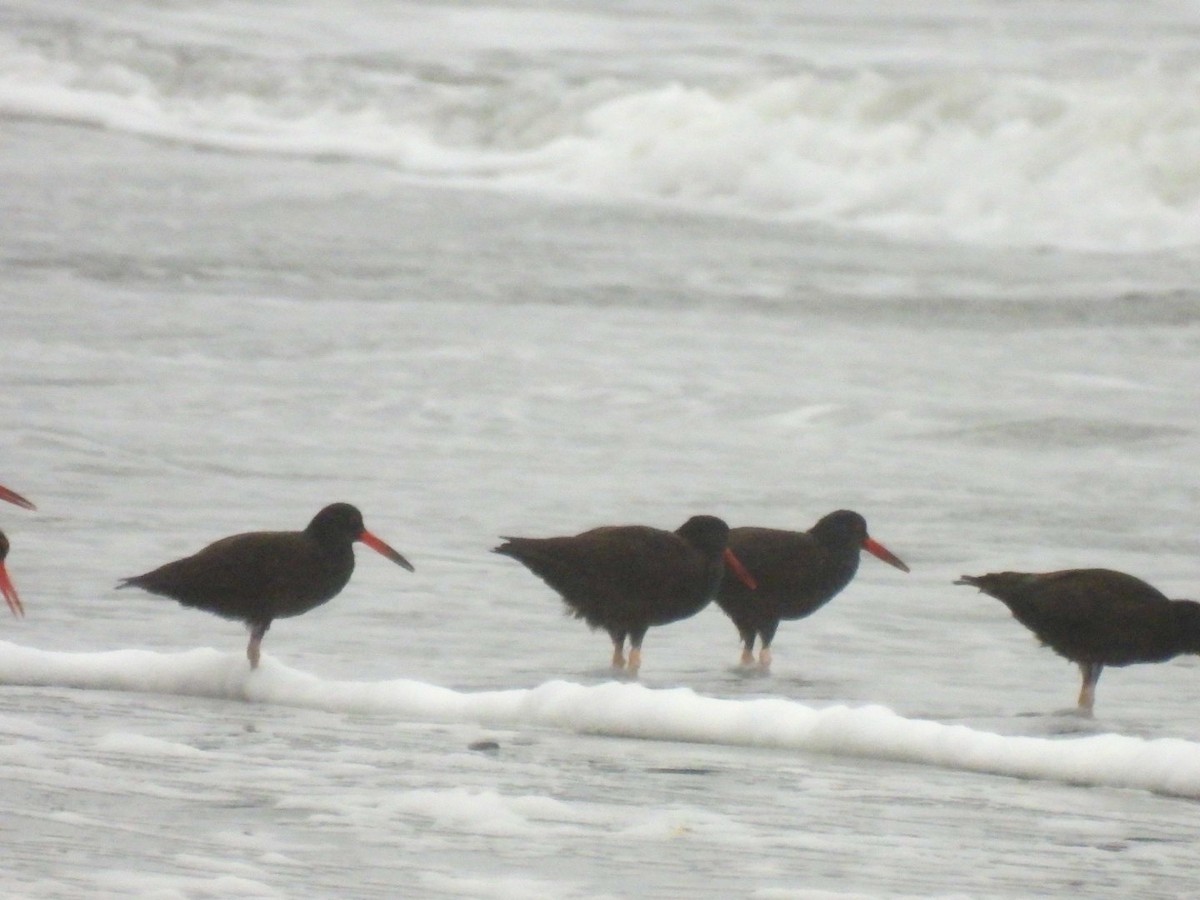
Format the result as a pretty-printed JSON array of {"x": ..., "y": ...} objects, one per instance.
[{"x": 202, "y": 338}]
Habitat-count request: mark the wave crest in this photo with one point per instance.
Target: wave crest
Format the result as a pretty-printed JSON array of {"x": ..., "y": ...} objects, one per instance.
[{"x": 1101, "y": 162}]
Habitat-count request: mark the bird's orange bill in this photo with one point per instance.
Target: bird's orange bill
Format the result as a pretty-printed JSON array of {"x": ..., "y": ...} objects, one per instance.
[
  {"x": 13, "y": 497},
  {"x": 10, "y": 593},
  {"x": 739, "y": 570},
  {"x": 877, "y": 549},
  {"x": 380, "y": 547}
]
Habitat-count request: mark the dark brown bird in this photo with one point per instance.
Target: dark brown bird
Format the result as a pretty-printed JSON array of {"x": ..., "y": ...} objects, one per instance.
[
  {"x": 13, "y": 497},
  {"x": 797, "y": 572},
  {"x": 627, "y": 578},
  {"x": 261, "y": 576},
  {"x": 6, "y": 585},
  {"x": 1096, "y": 618}
]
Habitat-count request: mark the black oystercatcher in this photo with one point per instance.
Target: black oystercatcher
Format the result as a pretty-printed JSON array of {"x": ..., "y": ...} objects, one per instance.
[
  {"x": 626, "y": 578},
  {"x": 797, "y": 572},
  {"x": 6, "y": 585},
  {"x": 266, "y": 575},
  {"x": 13, "y": 497},
  {"x": 1096, "y": 618}
]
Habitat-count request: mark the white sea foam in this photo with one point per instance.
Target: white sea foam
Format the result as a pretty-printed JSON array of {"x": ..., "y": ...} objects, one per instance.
[
  {"x": 1075, "y": 160},
  {"x": 1166, "y": 766}
]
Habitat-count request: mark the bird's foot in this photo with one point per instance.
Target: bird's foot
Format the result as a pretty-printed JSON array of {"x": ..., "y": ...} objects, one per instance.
[
  {"x": 253, "y": 649},
  {"x": 1087, "y": 701},
  {"x": 634, "y": 663}
]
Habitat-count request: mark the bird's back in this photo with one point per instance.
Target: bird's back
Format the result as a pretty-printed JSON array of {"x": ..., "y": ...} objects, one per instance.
[
  {"x": 1089, "y": 615},
  {"x": 258, "y": 576},
  {"x": 620, "y": 573}
]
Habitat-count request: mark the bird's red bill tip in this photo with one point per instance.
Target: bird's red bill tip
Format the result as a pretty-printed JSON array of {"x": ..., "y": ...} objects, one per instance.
[
  {"x": 10, "y": 593},
  {"x": 382, "y": 548},
  {"x": 739, "y": 570},
  {"x": 13, "y": 497},
  {"x": 877, "y": 549}
]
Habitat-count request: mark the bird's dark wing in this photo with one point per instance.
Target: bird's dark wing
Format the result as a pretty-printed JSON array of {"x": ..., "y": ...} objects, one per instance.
[
  {"x": 607, "y": 564},
  {"x": 257, "y": 570}
]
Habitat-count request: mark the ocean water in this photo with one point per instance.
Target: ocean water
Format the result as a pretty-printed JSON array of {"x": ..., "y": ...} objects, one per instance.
[{"x": 527, "y": 268}]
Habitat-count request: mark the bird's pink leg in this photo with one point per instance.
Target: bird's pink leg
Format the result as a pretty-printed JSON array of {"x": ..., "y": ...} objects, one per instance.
[
  {"x": 764, "y": 659},
  {"x": 635, "y": 661},
  {"x": 253, "y": 651},
  {"x": 618, "y": 659},
  {"x": 1087, "y": 692}
]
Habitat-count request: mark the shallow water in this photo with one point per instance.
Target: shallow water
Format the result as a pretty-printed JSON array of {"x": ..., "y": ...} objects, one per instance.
[{"x": 217, "y": 320}]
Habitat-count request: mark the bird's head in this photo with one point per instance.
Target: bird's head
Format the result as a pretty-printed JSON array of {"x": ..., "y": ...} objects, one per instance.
[
  {"x": 342, "y": 523},
  {"x": 845, "y": 526},
  {"x": 710, "y": 536}
]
